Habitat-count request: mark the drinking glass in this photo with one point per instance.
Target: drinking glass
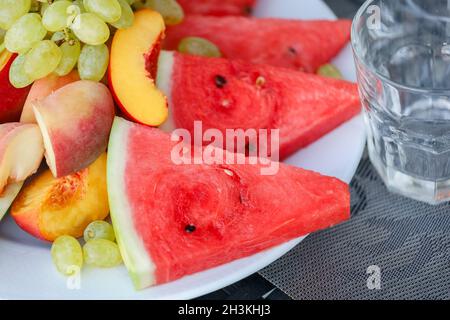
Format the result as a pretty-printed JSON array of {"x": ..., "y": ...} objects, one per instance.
[{"x": 402, "y": 54}]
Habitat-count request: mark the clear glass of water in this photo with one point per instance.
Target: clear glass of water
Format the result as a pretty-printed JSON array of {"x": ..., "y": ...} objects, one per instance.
[{"x": 402, "y": 53}]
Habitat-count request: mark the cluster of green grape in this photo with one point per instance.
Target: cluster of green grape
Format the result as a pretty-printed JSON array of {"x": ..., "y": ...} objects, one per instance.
[
  {"x": 59, "y": 35},
  {"x": 99, "y": 249}
]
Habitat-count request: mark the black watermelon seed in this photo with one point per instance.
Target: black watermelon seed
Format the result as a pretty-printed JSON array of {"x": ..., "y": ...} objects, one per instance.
[
  {"x": 292, "y": 50},
  {"x": 220, "y": 81},
  {"x": 248, "y": 10},
  {"x": 189, "y": 228}
]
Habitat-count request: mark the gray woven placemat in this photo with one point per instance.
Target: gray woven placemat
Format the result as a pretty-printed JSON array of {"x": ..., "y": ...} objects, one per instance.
[{"x": 408, "y": 241}]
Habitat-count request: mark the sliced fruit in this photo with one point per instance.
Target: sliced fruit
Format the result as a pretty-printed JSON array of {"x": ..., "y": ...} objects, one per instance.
[
  {"x": 41, "y": 89},
  {"x": 300, "y": 45},
  {"x": 132, "y": 69},
  {"x": 75, "y": 122},
  {"x": 227, "y": 94},
  {"x": 218, "y": 7},
  {"x": 174, "y": 220},
  {"x": 50, "y": 207},
  {"x": 12, "y": 99},
  {"x": 7, "y": 197},
  {"x": 21, "y": 152}
]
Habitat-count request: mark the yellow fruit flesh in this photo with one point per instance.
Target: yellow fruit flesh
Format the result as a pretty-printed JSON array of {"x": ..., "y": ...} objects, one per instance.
[
  {"x": 65, "y": 206},
  {"x": 130, "y": 79}
]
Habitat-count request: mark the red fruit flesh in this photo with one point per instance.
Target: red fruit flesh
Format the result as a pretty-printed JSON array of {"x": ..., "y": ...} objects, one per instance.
[
  {"x": 303, "y": 106},
  {"x": 217, "y": 7},
  {"x": 190, "y": 218},
  {"x": 300, "y": 45}
]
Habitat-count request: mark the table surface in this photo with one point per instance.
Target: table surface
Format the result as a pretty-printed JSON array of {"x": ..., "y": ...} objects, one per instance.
[{"x": 256, "y": 287}]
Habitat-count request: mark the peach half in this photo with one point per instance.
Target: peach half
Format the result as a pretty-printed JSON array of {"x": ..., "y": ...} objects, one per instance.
[
  {"x": 75, "y": 122},
  {"x": 21, "y": 152},
  {"x": 132, "y": 69},
  {"x": 41, "y": 89},
  {"x": 49, "y": 207}
]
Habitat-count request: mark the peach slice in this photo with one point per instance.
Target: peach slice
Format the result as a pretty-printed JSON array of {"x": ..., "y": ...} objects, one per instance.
[
  {"x": 21, "y": 152},
  {"x": 75, "y": 122},
  {"x": 11, "y": 98},
  {"x": 49, "y": 207},
  {"x": 8, "y": 196},
  {"x": 132, "y": 69},
  {"x": 41, "y": 89}
]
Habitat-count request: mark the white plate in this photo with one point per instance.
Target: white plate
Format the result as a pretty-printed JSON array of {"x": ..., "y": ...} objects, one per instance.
[{"x": 26, "y": 270}]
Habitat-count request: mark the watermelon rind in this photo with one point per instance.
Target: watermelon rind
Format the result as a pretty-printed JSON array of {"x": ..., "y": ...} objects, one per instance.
[
  {"x": 136, "y": 258},
  {"x": 164, "y": 83},
  {"x": 8, "y": 196},
  {"x": 165, "y": 70}
]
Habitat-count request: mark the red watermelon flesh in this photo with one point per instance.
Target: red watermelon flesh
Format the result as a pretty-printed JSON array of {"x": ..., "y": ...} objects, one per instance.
[
  {"x": 174, "y": 220},
  {"x": 217, "y": 7},
  {"x": 295, "y": 44},
  {"x": 303, "y": 106}
]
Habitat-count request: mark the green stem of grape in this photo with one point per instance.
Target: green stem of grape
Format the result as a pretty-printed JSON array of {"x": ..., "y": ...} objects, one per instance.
[{"x": 66, "y": 34}]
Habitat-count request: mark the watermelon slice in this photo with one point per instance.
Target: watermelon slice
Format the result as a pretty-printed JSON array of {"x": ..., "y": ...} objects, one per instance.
[
  {"x": 300, "y": 45},
  {"x": 217, "y": 7},
  {"x": 174, "y": 220},
  {"x": 227, "y": 94}
]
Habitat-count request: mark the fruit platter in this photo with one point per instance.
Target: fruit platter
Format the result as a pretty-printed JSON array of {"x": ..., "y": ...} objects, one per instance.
[{"x": 117, "y": 178}]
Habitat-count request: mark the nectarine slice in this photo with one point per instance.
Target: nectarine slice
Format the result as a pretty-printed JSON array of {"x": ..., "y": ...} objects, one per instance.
[
  {"x": 132, "y": 69},
  {"x": 21, "y": 152},
  {"x": 75, "y": 122},
  {"x": 49, "y": 207},
  {"x": 41, "y": 89}
]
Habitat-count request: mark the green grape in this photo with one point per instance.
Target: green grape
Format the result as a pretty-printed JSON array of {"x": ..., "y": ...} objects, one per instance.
[
  {"x": 45, "y": 4},
  {"x": 93, "y": 62},
  {"x": 2, "y": 35},
  {"x": 58, "y": 37},
  {"x": 55, "y": 17},
  {"x": 42, "y": 59},
  {"x": 44, "y": 7},
  {"x": 329, "y": 71},
  {"x": 80, "y": 4},
  {"x": 108, "y": 10},
  {"x": 127, "y": 18},
  {"x": 99, "y": 230},
  {"x": 170, "y": 10},
  {"x": 35, "y": 7},
  {"x": 24, "y": 33},
  {"x": 70, "y": 51},
  {"x": 90, "y": 29},
  {"x": 17, "y": 75},
  {"x": 102, "y": 253},
  {"x": 11, "y": 10},
  {"x": 67, "y": 255},
  {"x": 198, "y": 47}
]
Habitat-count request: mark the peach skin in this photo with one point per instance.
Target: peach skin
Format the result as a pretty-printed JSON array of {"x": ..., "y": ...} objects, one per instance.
[{"x": 75, "y": 122}]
